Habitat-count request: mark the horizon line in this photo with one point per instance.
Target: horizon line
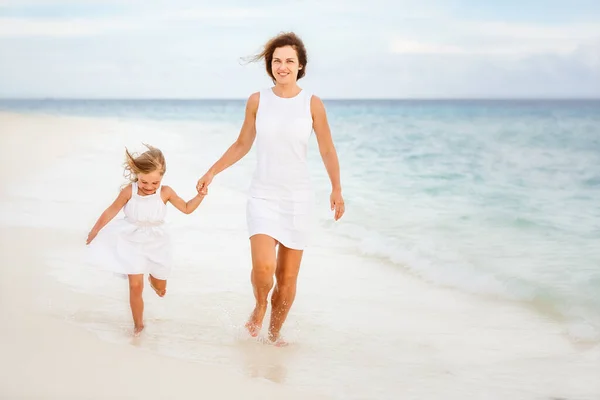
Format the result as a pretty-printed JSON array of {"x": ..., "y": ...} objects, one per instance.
[{"x": 466, "y": 98}]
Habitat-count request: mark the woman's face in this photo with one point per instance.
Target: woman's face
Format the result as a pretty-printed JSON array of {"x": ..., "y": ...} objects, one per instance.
[{"x": 285, "y": 65}]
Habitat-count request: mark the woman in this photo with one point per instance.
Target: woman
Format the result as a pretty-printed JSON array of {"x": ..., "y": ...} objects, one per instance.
[{"x": 278, "y": 211}]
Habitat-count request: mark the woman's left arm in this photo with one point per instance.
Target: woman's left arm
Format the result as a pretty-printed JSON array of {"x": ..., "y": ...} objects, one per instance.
[{"x": 328, "y": 154}]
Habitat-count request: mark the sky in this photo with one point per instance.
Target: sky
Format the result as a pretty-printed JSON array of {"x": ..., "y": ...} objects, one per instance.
[{"x": 356, "y": 48}]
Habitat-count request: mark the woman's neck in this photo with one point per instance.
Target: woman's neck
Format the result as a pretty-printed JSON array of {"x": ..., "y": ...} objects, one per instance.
[{"x": 290, "y": 90}]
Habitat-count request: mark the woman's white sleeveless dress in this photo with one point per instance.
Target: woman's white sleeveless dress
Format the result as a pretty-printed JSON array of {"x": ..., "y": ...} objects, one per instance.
[
  {"x": 139, "y": 243},
  {"x": 280, "y": 194}
]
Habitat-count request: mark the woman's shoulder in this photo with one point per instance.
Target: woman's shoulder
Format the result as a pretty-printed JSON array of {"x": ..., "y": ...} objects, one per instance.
[
  {"x": 316, "y": 104},
  {"x": 254, "y": 97},
  {"x": 262, "y": 92},
  {"x": 313, "y": 96},
  {"x": 252, "y": 102}
]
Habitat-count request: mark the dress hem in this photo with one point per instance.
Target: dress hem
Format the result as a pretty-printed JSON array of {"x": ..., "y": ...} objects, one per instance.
[{"x": 275, "y": 237}]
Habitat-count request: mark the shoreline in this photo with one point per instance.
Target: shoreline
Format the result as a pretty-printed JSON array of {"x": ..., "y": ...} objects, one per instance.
[
  {"x": 440, "y": 340},
  {"x": 63, "y": 359},
  {"x": 67, "y": 361}
]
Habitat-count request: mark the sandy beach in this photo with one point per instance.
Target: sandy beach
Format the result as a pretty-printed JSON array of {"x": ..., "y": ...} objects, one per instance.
[
  {"x": 358, "y": 329},
  {"x": 46, "y": 357}
]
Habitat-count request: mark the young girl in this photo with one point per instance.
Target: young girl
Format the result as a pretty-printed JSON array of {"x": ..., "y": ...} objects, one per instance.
[{"x": 139, "y": 244}]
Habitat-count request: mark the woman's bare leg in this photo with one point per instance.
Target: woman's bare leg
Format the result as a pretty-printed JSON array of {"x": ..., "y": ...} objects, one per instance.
[
  {"x": 288, "y": 267},
  {"x": 263, "y": 268}
]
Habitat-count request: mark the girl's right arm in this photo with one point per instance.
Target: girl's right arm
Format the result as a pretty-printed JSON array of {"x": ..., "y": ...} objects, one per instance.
[
  {"x": 110, "y": 213},
  {"x": 239, "y": 148}
]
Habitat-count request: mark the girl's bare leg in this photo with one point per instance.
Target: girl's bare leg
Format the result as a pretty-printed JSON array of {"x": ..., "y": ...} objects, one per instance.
[{"x": 136, "y": 301}]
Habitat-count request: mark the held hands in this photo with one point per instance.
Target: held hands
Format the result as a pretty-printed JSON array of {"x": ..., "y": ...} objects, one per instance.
[
  {"x": 202, "y": 193},
  {"x": 337, "y": 203},
  {"x": 202, "y": 185}
]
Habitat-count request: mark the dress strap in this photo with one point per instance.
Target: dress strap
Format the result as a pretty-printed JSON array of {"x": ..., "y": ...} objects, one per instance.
[{"x": 134, "y": 188}]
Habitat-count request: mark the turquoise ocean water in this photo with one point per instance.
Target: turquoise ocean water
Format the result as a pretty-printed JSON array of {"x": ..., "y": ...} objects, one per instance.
[{"x": 499, "y": 198}]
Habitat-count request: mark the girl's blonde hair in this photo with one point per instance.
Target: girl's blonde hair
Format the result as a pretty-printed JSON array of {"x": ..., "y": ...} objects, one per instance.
[{"x": 149, "y": 161}]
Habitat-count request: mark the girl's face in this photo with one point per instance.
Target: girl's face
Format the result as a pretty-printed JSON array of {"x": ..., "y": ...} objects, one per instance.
[
  {"x": 285, "y": 65},
  {"x": 149, "y": 183}
]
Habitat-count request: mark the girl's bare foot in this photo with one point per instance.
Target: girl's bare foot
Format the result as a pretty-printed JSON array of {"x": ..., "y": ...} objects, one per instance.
[
  {"x": 137, "y": 330},
  {"x": 254, "y": 323},
  {"x": 160, "y": 293}
]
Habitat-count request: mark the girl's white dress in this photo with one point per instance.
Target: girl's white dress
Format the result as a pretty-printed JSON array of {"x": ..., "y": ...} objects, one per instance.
[
  {"x": 280, "y": 195},
  {"x": 139, "y": 243}
]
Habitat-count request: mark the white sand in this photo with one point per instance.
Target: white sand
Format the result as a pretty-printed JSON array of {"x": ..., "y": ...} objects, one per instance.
[{"x": 43, "y": 357}]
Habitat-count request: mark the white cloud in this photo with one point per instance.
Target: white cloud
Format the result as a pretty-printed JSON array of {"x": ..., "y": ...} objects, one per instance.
[
  {"x": 46, "y": 3},
  {"x": 11, "y": 27},
  {"x": 407, "y": 49},
  {"x": 497, "y": 38},
  {"x": 530, "y": 30},
  {"x": 403, "y": 46},
  {"x": 589, "y": 56},
  {"x": 148, "y": 20},
  {"x": 195, "y": 13}
]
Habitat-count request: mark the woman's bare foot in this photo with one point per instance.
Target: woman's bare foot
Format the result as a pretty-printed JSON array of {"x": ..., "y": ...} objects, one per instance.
[
  {"x": 276, "y": 340},
  {"x": 159, "y": 293},
  {"x": 254, "y": 324},
  {"x": 253, "y": 328},
  {"x": 137, "y": 330}
]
